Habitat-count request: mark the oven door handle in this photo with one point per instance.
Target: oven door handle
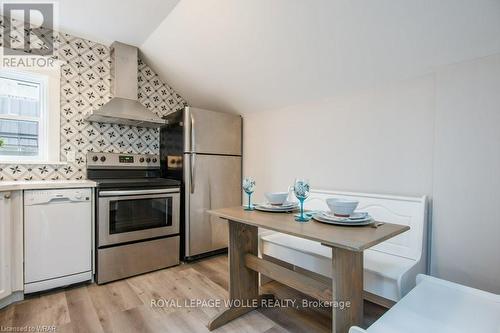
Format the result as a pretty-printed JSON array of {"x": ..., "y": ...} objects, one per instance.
[{"x": 138, "y": 192}]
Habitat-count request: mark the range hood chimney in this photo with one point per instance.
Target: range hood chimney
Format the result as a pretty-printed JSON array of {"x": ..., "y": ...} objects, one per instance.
[{"x": 124, "y": 108}]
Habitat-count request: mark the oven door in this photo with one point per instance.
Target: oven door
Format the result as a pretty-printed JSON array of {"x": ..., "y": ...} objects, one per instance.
[{"x": 132, "y": 215}]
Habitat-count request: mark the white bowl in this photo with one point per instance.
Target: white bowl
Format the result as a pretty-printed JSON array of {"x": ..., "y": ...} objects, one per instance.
[
  {"x": 342, "y": 207},
  {"x": 276, "y": 198}
]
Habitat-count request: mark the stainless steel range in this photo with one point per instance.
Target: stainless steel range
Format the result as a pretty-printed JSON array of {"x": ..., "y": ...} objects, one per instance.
[{"x": 137, "y": 215}]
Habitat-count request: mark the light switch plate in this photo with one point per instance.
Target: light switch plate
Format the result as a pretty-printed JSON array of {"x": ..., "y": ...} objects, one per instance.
[{"x": 70, "y": 156}]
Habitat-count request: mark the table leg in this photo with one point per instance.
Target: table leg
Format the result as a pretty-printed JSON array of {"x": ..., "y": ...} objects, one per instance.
[
  {"x": 347, "y": 286},
  {"x": 243, "y": 282}
]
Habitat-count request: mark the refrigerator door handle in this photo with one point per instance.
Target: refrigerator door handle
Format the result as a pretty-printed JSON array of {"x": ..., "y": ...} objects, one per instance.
[
  {"x": 192, "y": 172},
  {"x": 191, "y": 132},
  {"x": 193, "y": 154}
]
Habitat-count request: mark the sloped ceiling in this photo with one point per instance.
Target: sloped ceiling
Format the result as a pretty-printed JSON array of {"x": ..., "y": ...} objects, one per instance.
[
  {"x": 128, "y": 21},
  {"x": 253, "y": 55},
  {"x": 104, "y": 21}
]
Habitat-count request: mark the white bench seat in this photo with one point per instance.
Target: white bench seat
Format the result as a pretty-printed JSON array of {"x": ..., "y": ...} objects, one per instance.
[
  {"x": 436, "y": 305},
  {"x": 383, "y": 273},
  {"x": 390, "y": 268}
]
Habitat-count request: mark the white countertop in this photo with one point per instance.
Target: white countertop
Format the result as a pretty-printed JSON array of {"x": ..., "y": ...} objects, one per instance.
[{"x": 44, "y": 184}]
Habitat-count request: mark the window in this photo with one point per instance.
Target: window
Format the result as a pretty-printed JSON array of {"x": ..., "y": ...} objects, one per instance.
[
  {"x": 29, "y": 117},
  {"x": 22, "y": 108}
]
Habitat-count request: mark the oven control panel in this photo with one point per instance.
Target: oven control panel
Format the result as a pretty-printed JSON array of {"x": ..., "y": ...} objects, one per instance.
[{"x": 110, "y": 160}]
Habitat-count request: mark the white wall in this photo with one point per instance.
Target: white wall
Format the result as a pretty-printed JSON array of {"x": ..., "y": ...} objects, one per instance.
[
  {"x": 436, "y": 135},
  {"x": 466, "y": 232},
  {"x": 377, "y": 141}
]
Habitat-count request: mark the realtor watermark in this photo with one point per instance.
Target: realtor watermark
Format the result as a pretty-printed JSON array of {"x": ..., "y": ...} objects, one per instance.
[
  {"x": 251, "y": 303},
  {"x": 29, "y": 38},
  {"x": 27, "y": 62}
]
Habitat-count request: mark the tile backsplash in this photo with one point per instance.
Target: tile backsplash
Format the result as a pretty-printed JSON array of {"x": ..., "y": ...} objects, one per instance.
[{"x": 85, "y": 85}]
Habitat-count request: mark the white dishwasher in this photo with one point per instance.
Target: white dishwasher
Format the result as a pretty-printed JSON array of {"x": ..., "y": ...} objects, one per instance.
[{"x": 57, "y": 238}]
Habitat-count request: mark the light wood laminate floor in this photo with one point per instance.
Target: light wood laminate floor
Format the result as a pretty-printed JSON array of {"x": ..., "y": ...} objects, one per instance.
[{"x": 125, "y": 306}]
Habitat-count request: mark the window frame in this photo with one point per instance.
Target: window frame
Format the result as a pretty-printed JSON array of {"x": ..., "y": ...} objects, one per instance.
[
  {"x": 49, "y": 119},
  {"x": 41, "y": 119}
]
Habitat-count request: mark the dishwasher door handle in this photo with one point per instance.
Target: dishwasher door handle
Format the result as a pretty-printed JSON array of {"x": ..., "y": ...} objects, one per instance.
[{"x": 57, "y": 199}]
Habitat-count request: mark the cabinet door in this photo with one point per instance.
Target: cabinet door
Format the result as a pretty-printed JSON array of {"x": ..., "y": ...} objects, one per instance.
[{"x": 5, "y": 244}]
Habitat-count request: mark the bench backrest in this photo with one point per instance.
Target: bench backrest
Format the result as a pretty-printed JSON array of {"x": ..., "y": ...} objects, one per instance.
[{"x": 411, "y": 211}]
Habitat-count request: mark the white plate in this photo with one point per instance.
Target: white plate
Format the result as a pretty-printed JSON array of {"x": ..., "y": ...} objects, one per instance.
[
  {"x": 276, "y": 209},
  {"x": 285, "y": 206},
  {"x": 322, "y": 217},
  {"x": 357, "y": 216},
  {"x": 268, "y": 205}
]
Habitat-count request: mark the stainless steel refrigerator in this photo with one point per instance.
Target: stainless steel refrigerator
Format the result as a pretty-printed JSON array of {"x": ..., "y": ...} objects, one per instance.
[{"x": 203, "y": 149}]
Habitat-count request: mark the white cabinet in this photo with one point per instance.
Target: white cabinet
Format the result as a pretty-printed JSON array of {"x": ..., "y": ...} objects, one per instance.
[
  {"x": 11, "y": 246},
  {"x": 5, "y": 244}
]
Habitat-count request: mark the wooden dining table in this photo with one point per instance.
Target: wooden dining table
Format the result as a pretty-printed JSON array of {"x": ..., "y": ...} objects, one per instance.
[{"x": 347, "y": 244}]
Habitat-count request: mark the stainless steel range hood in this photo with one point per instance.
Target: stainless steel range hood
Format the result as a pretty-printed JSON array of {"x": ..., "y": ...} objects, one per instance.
[{"x": 124, "y": 108}]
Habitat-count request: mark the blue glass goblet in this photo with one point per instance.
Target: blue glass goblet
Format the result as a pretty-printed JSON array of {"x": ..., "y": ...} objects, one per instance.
[
  {"x": 249, "y": 188},
  {"x": 301, "y": 190}
]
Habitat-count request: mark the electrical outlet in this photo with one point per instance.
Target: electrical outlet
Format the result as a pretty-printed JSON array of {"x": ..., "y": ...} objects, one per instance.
[{"x": 70, "y": 156}]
